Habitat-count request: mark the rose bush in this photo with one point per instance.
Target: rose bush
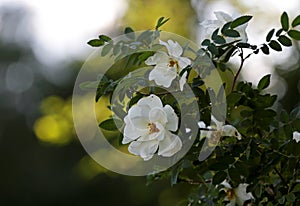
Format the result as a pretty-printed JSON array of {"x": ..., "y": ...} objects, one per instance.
[{"x": 255, "y": 158}]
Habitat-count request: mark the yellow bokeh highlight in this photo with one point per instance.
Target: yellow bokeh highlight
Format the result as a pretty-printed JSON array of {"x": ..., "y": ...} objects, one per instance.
[
  {"x": 143, "y": 14},
  {"x": 55, "y": 126}
]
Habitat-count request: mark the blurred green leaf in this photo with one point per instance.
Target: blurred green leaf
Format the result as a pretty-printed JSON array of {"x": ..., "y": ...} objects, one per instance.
[
  {"x": 129, "y": 32},
  {"x": 275, "y": 45},
  {"x": 285, "y": 41},
  {"x": 161, "y": 21},
  {"x": 264, "y": 82},
  {"x": 110, "y": 124},
  {"x": 219, "y": 177},
  {"x": 105, "y": 38},
  {"x": 240, "y": 21},
  {"x": 265, "y": 49},
  {"x": 95, "y": 42},
  {"x": 294, "y": 34},
  {"x": 284, "y": 21},
  {"x": 270, "y": 35},
  {"x": 296, "y": 21},
  {"x": 231, "y": 33}
]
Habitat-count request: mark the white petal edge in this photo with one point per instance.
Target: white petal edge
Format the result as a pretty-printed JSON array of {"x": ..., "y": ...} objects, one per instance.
[
  {"x": 157, "y": 58},
  {"x": 144, "y": 149},
  {"x": 296, "y": 136},
  {"x": 172, "y": 124},
  {"x": 170, "y": 145}
]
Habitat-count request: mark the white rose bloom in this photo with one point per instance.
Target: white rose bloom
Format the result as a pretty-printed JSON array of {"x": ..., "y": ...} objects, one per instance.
[
  {"x": 238, "y": 195},
  {"x": 218, "y": 130},
  {"x": 296, "y": 136},
  {"x": 168, "y": 66},
  {"x": 222, "y": 18},
  {"x": 147, "y": 129}
]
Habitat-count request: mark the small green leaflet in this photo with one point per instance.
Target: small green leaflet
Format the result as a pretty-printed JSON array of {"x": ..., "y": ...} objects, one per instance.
[
  {"x": 240, "y": 21},
  {"x": 285, "y": 21},
  {"x": 296, "y": 21},
  {"x": 264, "y": 82},
  {"x": 161, "y": 21},
  {"x": 95, "y": 42}
]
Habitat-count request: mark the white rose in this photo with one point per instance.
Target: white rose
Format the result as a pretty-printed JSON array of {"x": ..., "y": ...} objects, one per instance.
[{"x": 148, "y": 127}]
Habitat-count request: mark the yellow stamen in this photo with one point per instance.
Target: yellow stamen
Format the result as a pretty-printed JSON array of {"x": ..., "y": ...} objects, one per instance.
[{"x": 152, "y": 128}]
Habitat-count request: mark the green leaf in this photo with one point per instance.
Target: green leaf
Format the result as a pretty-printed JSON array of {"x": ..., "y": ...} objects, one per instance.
[
  {"x": 110, "y": 124},
  {"x": 105, "y": 38},
  {"x": 279, "y": 32},
  {"x": 129, "y": 32},
  {"x": 285, "y": 21},
  {"x": 290, "y": 197},
  {"x": 264, "y": 82},
  {"x": 243, "y": 45},
  {"x": 297, "y": 188},
  {"x": 225, "y": 27},
  {"x": 219, "y": 39},
  {"x": 106, "y": 49},
  {"x": 240, "y": 21},
  {"x": 265, "y": 49},
  {"x": 161, "y": 22},
  {"x": 233, "y": 98},
  {"x": 219, "y": 177},
  {"x": 275, "y": 45},
  {"x": 295, "y": 113},
  {"x": 205, "y": 42},
  {"x": 96, "y": 42},
  {"x": 231, "y": 33},
  {"x": 296, "y": 21},
  {"x": 213, "y": 49},
  {"x": 294, "y": 34},
  {"x": 285, "y": 41},
  {"x": 270, "y": 35},
  {"x": 234, "y": 175}
]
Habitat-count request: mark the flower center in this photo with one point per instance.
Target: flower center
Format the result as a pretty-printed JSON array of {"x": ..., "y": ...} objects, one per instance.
[
  {"x": 173, "y": 63},
  {"x": 152, "y": 128},
  {"x": 230, "y": 194}
]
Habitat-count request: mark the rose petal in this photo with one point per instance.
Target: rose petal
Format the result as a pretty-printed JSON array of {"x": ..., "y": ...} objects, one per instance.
[
  {"x": 157, "y": 114},
  {"x": 131, "y": 132},
  {"x": 229, "y": 130},
  {"x": 174, "y": 49},
  {"x": 241, "y": 194},
  {"x": 150, "y": 101},
  {"x": 182, "y": 80},
  {"x": 172, "y": 118},
  {"x": 170, "y": 145},
  {"x": 163, "y": 76},
  {"x": 183, "y": 62},
  {"x": 296, "y": 136},
  {"x": 222, "y": 16},
  {"x": 144, "y": 149},
  {"x": 157, "y": 58}
]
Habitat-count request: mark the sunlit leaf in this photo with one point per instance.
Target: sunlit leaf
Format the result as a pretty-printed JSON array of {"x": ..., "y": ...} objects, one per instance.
[
  {"x": 95, "y": 42},
  {"x": 105, "y": 38},
  {"x": 161, "y": 21}
]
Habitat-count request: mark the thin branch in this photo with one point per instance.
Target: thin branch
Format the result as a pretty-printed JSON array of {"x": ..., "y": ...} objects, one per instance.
[
  {"x": 281, "y": 177},
  {"x": 194, "y": 182}
]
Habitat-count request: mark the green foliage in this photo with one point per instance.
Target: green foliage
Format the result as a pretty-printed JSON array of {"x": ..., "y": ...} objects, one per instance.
[
  {"x": 161, "y": 21},
  {"x": 240, "y": 21},
  {"x": 265, "y": 157}
]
